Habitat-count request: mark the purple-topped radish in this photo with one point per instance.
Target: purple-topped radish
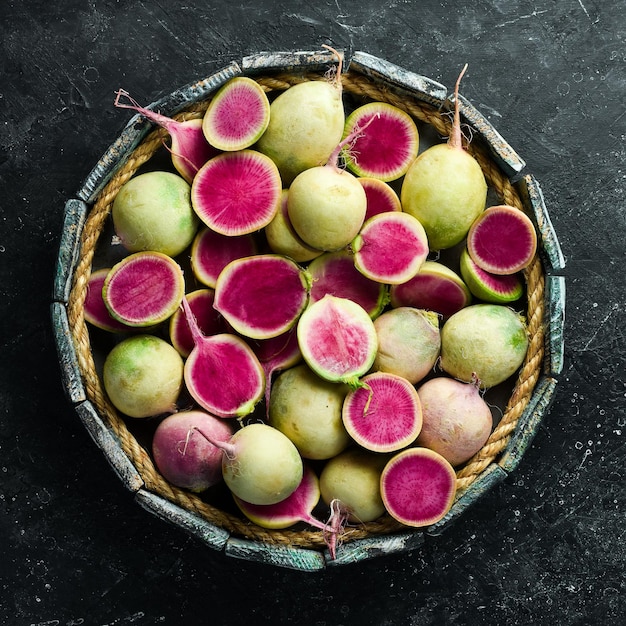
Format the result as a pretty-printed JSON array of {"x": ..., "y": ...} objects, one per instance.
[
  {"x": 334, "y": 273},
  {"x": 262, "y": 296},
  {"x": 502, "y": 240},
  {"x": 237, "y": 193},
  {"x": 189, "y": 149},
  {"x": 388, "y": 148},
  {"x": 183, "y": 456},
  {"x": 222, "y": 373},
  {"x": 390, "y": 248},
  {"x": 211, "y": 252},
  {"x": 380, "y": 196},
  {"x": 494, "y": 288},
  {"x": 337, "y": 339},
  {"x": 385, "y": 414},
  {"x": 237, "y": 115},
  {"x": 143, "y": 289},
  {"x": 95, "y": 310}
]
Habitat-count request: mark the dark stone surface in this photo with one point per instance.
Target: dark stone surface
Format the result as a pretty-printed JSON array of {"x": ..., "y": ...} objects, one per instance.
[{"x": 544, "y": 547}]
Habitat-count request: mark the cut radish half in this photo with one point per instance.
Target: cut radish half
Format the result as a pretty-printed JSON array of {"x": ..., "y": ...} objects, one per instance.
[
  {"x": 237, "y": 115},
  {"x": 418, "y": 487},
  {"x": 390, "y": 248},
  {"x": 236, "y": 193},
  {"x": 435, "y": 287},
  {"x": 502, "y": 240},
  {"x": 211, "y": 252},
  {"x": 381, "y": 198},
  {"x": 388, "y": 146},
  {"x": 262, "y": 296},
  {"x": 143, "y": 289},
  {"x": 334, "y": 273},
  {"x": 495, "y": 288},
  {"x": 337, "y": 339},
  {"x": 385, "y": 414},
  {"x": 95, "y": 310}
]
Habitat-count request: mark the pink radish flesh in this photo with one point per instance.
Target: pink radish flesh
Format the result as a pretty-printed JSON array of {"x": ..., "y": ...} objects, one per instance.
[
  {"x": 418, "y": 487},
  {"x": 380, "y": 197},
  {"x": 190, "y": 150},
  {"x": 95, "y": 310},
  {"x": 222, "y": 373},
  {"x": 237, "y": 193},
  {"x": 495, "y": 288},
  {"x": 384, "y": 415},
  {"x": 502, "y": 240}
]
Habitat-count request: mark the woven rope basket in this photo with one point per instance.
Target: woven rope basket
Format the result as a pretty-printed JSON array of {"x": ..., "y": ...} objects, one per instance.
[{"x": 363, "y": 88}]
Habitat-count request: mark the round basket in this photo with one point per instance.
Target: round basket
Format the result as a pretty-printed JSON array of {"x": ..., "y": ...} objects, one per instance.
[{"x": 528, "y": 397}]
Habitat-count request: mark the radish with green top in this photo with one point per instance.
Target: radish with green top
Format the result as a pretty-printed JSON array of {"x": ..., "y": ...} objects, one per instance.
[
  {"x": 418, "y": 487},
  {"x": 390, "y": 248},
  {"x": 337, "y": 339},
  {"x": 380, "y": 196},
  {"x": 388, "y": 148},
  {"x": 95, "y": 310},
  {"x": 189, "y": 149},
  {"x": 237, "y": 193},
  {"x": 262, "y": 296},
  {"x": 487, "y": 341},
  {"x": 502, "y": 240},
  {"x": 153, "y": 211},
  {"x": 143, "y": 376},
  {"x": 237, "y": 115},
  {"x": 307, "y": 409},
  {"x": 385, "y": 415},
  {"x": 456, "y": 419},
  {"x": 222, "y": 373},
  {"x": 185, "y": 458},
  {"x": 445, "y": 188},
  {"x": 409, "y": 342},
  {"x": 143, "y": 289}
]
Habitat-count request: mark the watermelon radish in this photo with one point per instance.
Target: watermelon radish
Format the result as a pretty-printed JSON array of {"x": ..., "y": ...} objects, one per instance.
[
  {"x": 143, "y": 289},
  {"x": 502, "y": 240},
  {"x": 262, "y": 296},
  {"x": 222, "y": 373},
  {"x": 417, "y": 487},
  {"x": 95, "y": 310},
  {"x": 435, "y": 287},
  {"x": 488, "y": 341},
  {"x": 237, "y": 115},
  {"x": 388, "y": 148},
  {"x": 390, "y": 248},
  {"x": 189, "y": 149},
  {"x": 143, "y": 376},
  {"x": 385, "y": 415},
  {"x": 152, "y": 211},
  {"x": 307, "y": 409},
  {"x": 211, "y": 252},
  {"x": 337, "y": 339},
  {"x": 380, "y": 197},
  {"x": 444, "y": 188},
  {"x": 494, "y": 288},
  {"x": 183, "y": 457},
  {"x": 409, "y": 342},
  {"x": 334, "y": 273},
  {"x": 236, "y": 193},
  {"x": 209, "y": 321}
]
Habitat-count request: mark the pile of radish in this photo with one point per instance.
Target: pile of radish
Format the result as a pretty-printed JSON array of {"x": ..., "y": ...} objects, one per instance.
[{"x": 319, "y": 345}]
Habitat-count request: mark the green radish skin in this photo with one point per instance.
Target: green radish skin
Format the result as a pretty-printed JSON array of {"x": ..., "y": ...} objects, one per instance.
[
  {"x": 153, "y": 211},
  {"x": 484, "y": 341},
  {"x": 143, "y": 376},
  {"x": 308, "y": 410}
]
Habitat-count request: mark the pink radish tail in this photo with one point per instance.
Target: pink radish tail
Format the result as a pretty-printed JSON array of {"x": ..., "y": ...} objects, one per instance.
[
  {"x": 153, "y": 116},
  {"x": 339, "y": 67},
  {"x": 335, "y": 526},
  {"x": 333, "y": 159},
  {"x": 196, "y": 333},
  {"x": 227, "y": 448},
  {"x": 455, "y": 137}
]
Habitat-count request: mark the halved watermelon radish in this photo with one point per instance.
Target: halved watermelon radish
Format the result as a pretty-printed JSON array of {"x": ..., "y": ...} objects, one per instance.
[
  {"x": 334, "y": 273},
  {"x": 236, "y": 193},
  {"x": 237, "y": 116},
  {"x": 95, "y": 310},
  {"x": 435, "y": 288},
  {"x": 418, "y": 487},
  {"x": 496, "y": 288},
  {"x": 337, "y": 339},
  {"x": 385, "y": 414},
  {"x": 262, "y": 296},
  {"x": 390, "y": 248},
  {"x": 143, "y": 289},
  {"x": 502, "y": 240},
  {"x": 380, "y": 196},
  {"x": 388, "y": 146}
]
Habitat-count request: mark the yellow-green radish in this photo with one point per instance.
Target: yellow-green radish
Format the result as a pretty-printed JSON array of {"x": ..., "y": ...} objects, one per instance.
[{"x": 494, "y": 288}]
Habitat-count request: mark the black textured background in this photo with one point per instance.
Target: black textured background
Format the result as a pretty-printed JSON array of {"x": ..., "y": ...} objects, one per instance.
[{"x": 546, "y": 546}]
